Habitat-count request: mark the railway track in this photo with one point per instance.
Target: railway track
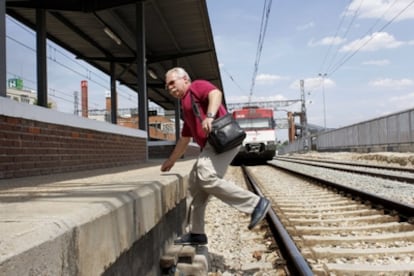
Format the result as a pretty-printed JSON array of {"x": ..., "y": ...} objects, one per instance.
[
  {"x": 403, "y": 174},
  {"x": 378, "y": 188},
  {"x": 325, "y": 231}
]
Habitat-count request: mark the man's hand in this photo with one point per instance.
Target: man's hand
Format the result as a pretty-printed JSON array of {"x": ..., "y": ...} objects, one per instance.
[
  {"x": 207, "y": 125},
  {"x": 178, "y": 151},
  {"x": 167, "y": 165}
]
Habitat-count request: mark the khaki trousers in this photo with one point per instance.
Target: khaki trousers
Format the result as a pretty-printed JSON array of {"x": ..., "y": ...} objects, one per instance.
[{"x": 206, "y": 179}]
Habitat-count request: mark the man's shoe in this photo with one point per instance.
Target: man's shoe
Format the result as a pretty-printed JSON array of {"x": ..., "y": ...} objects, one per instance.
[
  {"x": 192, "y": 239},
  {"x": 259, "y": 212}
]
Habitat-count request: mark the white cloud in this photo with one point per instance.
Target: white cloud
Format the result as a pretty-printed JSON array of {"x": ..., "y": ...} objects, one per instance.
[
  {"x": 313, "y": 83},
  {"x": 379, "y": 62},
  {"x": 245, "y": 99},
  {"x": 388, "y": 10},
  {"x": 329, "y": 40},
  {"x": 267, "y": 78},
  {"x": 306, "y": 26},
  {"x": 392, "y": 83},
  {"x": 373, "y": 42}
]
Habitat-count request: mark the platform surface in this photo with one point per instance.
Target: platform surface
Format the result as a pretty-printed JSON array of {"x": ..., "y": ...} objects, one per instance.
[{"x": 79, "y": 223}]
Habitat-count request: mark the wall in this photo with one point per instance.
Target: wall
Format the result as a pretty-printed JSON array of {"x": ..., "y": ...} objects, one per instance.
[
  {"x": 394, "y": 132},
  {"x": 36, "y": 141}
]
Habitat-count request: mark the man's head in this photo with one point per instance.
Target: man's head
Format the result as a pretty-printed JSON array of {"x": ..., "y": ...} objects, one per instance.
[{"x": 177, "y": 81}]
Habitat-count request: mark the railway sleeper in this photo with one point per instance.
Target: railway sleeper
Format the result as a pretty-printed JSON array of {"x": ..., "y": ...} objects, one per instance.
[
  {"x": 373, "y": 228},
  {"x": 341, "y": 220},
  {"x": 364, "y": 212},
  {"x": 316, "y": 202},
  {"x": 315, "y": 191},
  {"x": 330, "y": 252},
  {"x": 311, "y": 240},
  {"x": 364, "y": 269},
  {"x": 330, "y": 208}
]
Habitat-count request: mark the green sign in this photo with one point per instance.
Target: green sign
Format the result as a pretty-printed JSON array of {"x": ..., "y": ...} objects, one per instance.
[{"x": 15, "y": 83}]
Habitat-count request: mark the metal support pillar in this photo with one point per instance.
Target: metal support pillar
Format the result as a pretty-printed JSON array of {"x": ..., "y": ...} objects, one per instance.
[
  {"x": 177, "y": 120},
  {"x": 142, "y": 71},
  {"x": 141, "y": 68},
  {"x": 114, "y": 98},
  {"x": 177, "y": 112},
  {"x": 41, "y": 57},
  {"x": 3, "y": 87}
]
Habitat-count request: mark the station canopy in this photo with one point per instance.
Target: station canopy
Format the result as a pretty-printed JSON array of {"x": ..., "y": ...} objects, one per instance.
[{"x": 101, "y": 32}]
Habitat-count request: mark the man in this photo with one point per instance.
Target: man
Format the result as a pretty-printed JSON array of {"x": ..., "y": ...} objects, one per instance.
[{"x": 206, "y": 176}]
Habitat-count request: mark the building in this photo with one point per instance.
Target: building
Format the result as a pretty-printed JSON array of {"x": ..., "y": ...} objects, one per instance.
[
  {"x": 160, "y": 127},
  {"x": 17, "y": 92}
]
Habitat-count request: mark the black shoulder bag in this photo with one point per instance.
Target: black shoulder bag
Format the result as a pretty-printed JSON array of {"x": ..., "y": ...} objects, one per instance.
[{"x": 226, "y": 132}]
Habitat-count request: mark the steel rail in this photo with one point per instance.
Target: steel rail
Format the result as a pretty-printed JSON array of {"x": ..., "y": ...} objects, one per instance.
[
  {"x": 357, "y": 164},
  {"x": 357, "y": 169},
  {"x": 405, "y": 211},
  {"x": 295, "y": 261}
]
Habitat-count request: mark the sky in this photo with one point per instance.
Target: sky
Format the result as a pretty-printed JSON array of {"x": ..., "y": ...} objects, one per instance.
[{"x": 355, "y": 58}]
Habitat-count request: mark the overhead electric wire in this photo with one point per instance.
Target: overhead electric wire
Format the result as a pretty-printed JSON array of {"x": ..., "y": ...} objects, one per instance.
[
  {"x": 368, "y": 40},
  {"x": 263, "y": 27},
  {"x": 53, "y": 50},
  {"x": 233, "y": 80},
  {"x": 369, "y": 31},
  {"x": 356, "y": 12},
  {"x": 332, "y": 42},
  {"x": 51, "y": 47}
]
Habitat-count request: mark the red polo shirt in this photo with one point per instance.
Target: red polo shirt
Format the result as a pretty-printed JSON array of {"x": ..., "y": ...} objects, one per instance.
[{"x": 192, "y": 124}]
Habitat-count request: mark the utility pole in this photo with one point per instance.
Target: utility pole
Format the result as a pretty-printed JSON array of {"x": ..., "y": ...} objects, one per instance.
[
  {"x": 323, "y": 98},
  {"x": 76, "y": 103},
  {"x": 304, "y": 120}
]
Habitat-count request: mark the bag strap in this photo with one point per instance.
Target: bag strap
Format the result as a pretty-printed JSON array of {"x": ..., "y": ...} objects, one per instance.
[{"x": 195, "y": 107}]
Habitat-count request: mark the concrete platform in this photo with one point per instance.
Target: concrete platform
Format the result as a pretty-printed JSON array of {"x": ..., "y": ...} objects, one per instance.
[{"x": 91, "y": 223}]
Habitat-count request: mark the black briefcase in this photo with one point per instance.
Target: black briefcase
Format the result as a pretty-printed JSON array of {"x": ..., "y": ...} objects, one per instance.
[{"x": 226, "y": 134}]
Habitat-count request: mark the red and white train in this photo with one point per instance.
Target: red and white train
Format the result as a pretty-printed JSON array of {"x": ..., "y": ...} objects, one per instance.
[{"x": 260, "y": 142}]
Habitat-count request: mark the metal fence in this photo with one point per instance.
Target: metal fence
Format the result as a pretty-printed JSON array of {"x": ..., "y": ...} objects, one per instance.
[{"x": 394, "y": 132}]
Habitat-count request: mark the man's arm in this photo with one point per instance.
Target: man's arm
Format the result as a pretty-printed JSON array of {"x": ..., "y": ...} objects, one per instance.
[
  {"x": 215, "y": 98},
  {"x": 178, "y": 151}
]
